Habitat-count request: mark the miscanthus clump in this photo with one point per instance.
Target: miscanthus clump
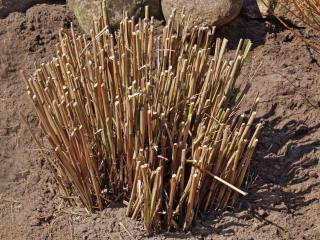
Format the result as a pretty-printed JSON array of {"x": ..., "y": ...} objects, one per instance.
[{"x": 150, "y": 120}]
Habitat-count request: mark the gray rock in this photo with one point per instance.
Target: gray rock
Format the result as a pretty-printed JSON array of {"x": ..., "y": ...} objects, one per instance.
[
  {"x": 205, "y": 12},
  {"x": 87, "y": 11},
  {"x": 9, "y": 6}
]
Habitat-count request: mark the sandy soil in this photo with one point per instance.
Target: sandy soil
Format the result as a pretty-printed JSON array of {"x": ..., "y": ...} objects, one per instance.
[{"x": 284, "y": 182}]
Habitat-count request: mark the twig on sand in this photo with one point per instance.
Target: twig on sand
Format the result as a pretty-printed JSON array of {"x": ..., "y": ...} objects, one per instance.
[
  {"x": 9, "y": 200},
  {"x": 127, "y": 231}
]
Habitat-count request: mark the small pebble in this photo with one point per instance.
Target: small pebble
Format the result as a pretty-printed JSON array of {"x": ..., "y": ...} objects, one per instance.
[{"x": 313, "y": 174}]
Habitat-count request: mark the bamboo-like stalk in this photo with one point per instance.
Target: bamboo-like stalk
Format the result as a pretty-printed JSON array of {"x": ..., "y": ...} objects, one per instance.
[{"x": 125, "y": 112}]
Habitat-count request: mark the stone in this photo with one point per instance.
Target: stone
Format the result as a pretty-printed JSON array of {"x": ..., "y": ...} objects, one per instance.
[
  {"x": 204, "y": 12},
  {"x": 86, "y": 11},
  {"x": 313, "y": 174},
  {"x": 262, "y": 213},
  {"x": 9, "y": 6}
]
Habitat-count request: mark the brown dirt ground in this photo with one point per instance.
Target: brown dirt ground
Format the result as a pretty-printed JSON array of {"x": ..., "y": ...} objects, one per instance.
[{"x": 283, "y": 184}]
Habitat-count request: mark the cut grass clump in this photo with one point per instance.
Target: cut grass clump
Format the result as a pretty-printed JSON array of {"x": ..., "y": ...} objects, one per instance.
[{"x": 150, "y": 120}]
